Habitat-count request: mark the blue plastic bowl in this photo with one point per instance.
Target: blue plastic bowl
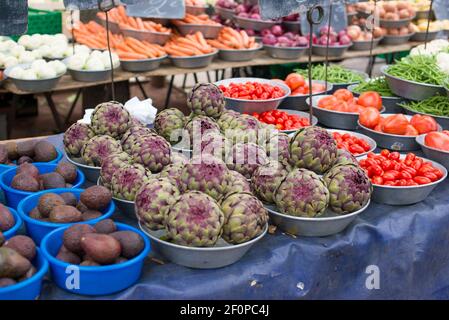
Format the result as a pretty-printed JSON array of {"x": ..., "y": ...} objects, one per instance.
[
  {"x": 18, "y": 223},
  {"x": 4, "y": 167},
  {"x": 13, "y": 196},
  {"x": 37, "y": 229},
  {"x": 93, "y": 281},
  {"x": 29, "y": 289}
]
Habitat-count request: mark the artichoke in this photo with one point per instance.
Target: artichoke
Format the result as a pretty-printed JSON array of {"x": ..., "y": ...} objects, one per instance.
[
  {"x": 98, "y": 148},
  {"x": 194, "y": 220},
  {"x": 206, "y": 99},
  {"x": 75, "y": 137},
  {"x": 206, "y": 174},
  {"x": 245, "y": 158},
  {"x": 213, "y": 143},
  {"x": 267, "y": 178},
  {"x": 173, "y": 172},
  {"x": 302, "y": 193},
  {"x": 178, "y": 158},
  {"x": 245, "y": 218},
  {"x": 169, "y": 124},
  {"x": 349, "y": 186},
  {"x": 132, "y": 134},
  {"x": 237, "y": 183},
  {"x": 243, "y": 128},
  {"x": 226, "y": 119},
  {"x": 313, "y": 148},
  {"x": 153, "y": 200},
  {"x": 278, "y": 148},
  {"x": 345, "y": 157},
  {"x": 199, "y": 126},
  {"x": 152, "y": 151},
  {"x": 110, "y": 118},
  {"x": 127, "y": 180},
  {"x": 111, "y": 164}
]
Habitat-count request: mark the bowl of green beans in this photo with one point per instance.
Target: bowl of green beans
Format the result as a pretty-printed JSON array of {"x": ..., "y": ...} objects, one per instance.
[{"x": 437, "y": 107}]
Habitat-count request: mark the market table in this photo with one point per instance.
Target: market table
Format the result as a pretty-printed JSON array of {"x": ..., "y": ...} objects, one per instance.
[{"x": 408, "y": 244}]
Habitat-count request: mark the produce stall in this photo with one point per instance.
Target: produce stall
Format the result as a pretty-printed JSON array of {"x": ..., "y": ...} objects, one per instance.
[{"x": 327, "y": 184}]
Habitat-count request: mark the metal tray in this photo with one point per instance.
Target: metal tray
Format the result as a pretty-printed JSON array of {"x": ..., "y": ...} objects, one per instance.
[
  {"x": 334, "y": 51},
  {"x": 153, "y": 37},
  {"x": 89, "y": 76},
  {"x": 395, "y": 24},
  {"x": 298, "y": 102},
  {"x": 252, "y": 24},
  {"x": 288, "y": 53},
  {"x": 193, "y": 62},
  {"x": 237, "y": 55},
  {"x": 440, "y": 156},
  {"x": 395, "y": 40},
  {"x": 292, "y": 26},
  {"x": 142, "y": 65},
  {"x": 208, "y": 31},
  {"x": 365, "y": 45},
  {"x": 226, "y": 14}
]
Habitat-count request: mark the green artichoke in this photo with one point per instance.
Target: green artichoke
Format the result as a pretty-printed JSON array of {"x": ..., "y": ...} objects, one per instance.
[
  {"x": 267, "y": 178},
  {"x": 111, "y": 164},
  {"x": 278, "y": 148},
  {"x": 243, "y": 128},
  {"x": 213, "y": 143},
  {"x": 237, "y": 184},
  {"x": 127, "y": 180},
  {"x": 198, "y": 126},
  {"x": 245, "y": 218},
  {"x": 110, "y": 118},
  {"x": 345, "y": 157},
  {"x": 194, "y": 220},
  {"x": 152, "y": 151},
  {"x": 302, "y": 193},
  {"x": 132, "y": 134},
  {"x": 245, "y": 158},
  {"x": 206, "y": 99},
  {"x": 75, "y": 137},
  {"x": 313, "y": 148},
  {"x": 98, "y": 148},
  {"x": 173, "y": 172},
  {"x": 226, "y": 119},
  {"x": 153, "y": 200},
  {"x": 169, "y": 124},
  {"x": 178, "y": 158},
  {"x": 349, "y": 186}
]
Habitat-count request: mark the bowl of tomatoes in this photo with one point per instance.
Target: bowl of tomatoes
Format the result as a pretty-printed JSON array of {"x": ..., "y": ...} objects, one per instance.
[
  {"x": 286, "y": 121},
  {"x": 249, "y": 95},
  {"x": 435, "y": 146},
  {"x": 401, "y": 179},
  {"x": 341, "y": 109},
  {"x": 356, "y": 143},
  {"x": 396, "y": 131}
]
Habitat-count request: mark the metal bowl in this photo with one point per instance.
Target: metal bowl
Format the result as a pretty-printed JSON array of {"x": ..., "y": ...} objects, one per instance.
[
  {"x": 153, "y": 37},
  {"x": 334, "y": 51},
  {"x": 441, "y": 120},
  {"x": 370, "y": 141},
  {"x": 226, "y": 14},
  {"x": 440, "y": 156},
  {"x": 256, "y": 25},
  {"x": 196, "y": 10},
  {"x": 89, "y": 76},
  {"x": 298, "y": 102},
  {"x": 163, "y": 21},
  {"x": 221, "y": 255},
  {"x": 363, "y": 14},
  {"x": 237, "y": 55},
  {"x": 208, "y": 31},
  {"x": 142, "y": 65},
  {"x": 302, "y": 115},
  {"x": 335, "y": 119},
  {"x": 410, "y": 89},
  {"x": 124, "y": 206},
  {"x": 292, "y": 26},
  {"x": 113, "y": 26},
  {"x": 250, "y": 106},
  {"x": 395, "y": 24},
  {"x": 391, "y": 104},
  {"x": 41, "y": 85},
  {"x": 395, "y": 40},
  {"x": 193, "y": 62},
  {"x": 365, "y": 45},
  {"x": 90, "y": 172},
  {"x": 290, "y": 53},
  {"x": 402, "y": 196},
  {"x": 421, "y": 36},
  {"x": 2, "y": 80},
  {"x": 328, "y": 224},
  {"x": 422, "y": 15}
]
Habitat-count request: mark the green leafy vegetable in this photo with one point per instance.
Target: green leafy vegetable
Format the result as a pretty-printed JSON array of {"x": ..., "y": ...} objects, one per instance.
[
  {"x": 335, "y": 74},
  {"x": 379, "y": 85}
]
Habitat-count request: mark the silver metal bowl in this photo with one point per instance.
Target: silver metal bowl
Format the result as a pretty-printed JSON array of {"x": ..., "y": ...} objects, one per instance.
[
  {"x": 237, "y": 55},
  {"x": 193, "y": 62},
  {"x": 221, "y": 255},
  {"x": 196, "y": 10},
  {"x": 395, "y": 24},
  {"x": 334, "y": 51},
  {"x": 91, "y": 173},
  {"x": 391, "y": 104},
  {"x": 440, "y": 156},
  {"x": 256, "y": 25},
  {"x": 41, "y": 85},
  {"x": 421, "y": 36},
  {"x": 2, "y": 80},
  {"x": 226, "y": 14},
  {"x": 364, "y": 45},
  {"x": 422, "y": 14},
  {"x": 335, "y": 119},
  {"x": 370, "y": 141},
  {"x": 142, "y": 65},
  {"x": 298, "y": 102},
  {"x": 363, "y": 14},
  {"x": 126, "y": 207},
  {"x": 402, "y": 196},
  {"x": 410, "y": 89},
  {"x": 208, "y": 31},
  {"x": 89, "y": 76},
  {"x": 250, "y": 106},
  {"x": 292, "y": 26},
  {"x": 328, "y": 224},
  {"x": 153, "y": 37},
  {"x": 288, "y": 53},
  {"x": 302, "y": 115},
  {"x": 395, "y": 40},
  {"x": 441, "y": 120}
]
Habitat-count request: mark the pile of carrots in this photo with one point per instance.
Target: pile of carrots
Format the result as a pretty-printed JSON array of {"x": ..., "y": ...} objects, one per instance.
[
  {"x": 118, "y": 15},
  {"x": 133, "y": 49},
  {"x": 229, "y": 39},
  {"x": 92, "y": 35},
  {"x": 200, "y": 19},
  {"x": 190, "y": 45}
]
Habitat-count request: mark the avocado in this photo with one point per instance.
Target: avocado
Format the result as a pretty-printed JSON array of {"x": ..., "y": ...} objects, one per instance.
[
  {"x": 96, "y": 197},
  {"x": 65, "y": 214},
  {"x": 131, "y": 242},
  {"x": 105, "y": 226},
  {"x": 47, "y": 202},
  {"x": 102, "y": 248},
  {"x": 24, "y": 245},
  {"x": 72, "y": 237},
  {"x": 12, "y": 264}
]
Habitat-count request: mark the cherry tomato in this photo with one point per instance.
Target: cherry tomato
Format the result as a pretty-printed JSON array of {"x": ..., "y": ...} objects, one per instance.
[{"x": 422, "y": 180}]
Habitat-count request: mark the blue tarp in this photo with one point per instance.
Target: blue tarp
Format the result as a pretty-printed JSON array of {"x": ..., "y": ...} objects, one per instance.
[{"x": 408, "y": 244}]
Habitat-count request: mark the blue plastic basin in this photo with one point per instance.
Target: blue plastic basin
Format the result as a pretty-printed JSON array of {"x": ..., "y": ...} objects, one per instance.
[
  {"x": 18, "y": 223},
  {"x": 4, "y": 167}
]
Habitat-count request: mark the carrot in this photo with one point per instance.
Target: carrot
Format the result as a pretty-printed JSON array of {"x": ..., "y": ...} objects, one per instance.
[
  {"x": 217, "y": 44},
  {"x": 124, "y": 55},
  {"x": 140, "y": 24}
]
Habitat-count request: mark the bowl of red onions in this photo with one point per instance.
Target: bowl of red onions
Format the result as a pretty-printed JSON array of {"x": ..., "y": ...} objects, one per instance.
[
  {"x": 283, "y": 45},
  {"x": 338, "y": 43},
  {"x": 226, "y": 8},
  {"x": 248, "y": 16}
]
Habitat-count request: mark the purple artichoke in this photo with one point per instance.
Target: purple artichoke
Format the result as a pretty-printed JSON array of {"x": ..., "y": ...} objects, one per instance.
[
  {"x": 110, "y": 118},
  {"x": 99, "y": 148},
  {"x": 206, "y": 99},
  {"x": 75, "y": 137},
  {"x": 245, "y": 158}
]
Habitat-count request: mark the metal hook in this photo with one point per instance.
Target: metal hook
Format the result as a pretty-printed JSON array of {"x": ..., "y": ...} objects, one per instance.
[
  {"x": 106, "y": 5},
  {"x": 311, "y": 11}
]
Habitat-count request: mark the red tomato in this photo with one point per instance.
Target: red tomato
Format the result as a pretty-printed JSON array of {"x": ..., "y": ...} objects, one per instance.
[
  {"x": 369, "y": 117},
  {"x": 377, "y": 180},
  {"x": 437, "y": 140},
  {"x": 395, "y": 124},
  {"x": 344, "y": 94},
  {"x": 317, "y": 87},
  {"x": 294, "y": 81},
  {"x": 370, "y": 99},
  {"x": 411, "y": 131},
  {"x": 327, "y": 101},
  {"x": 423, "y": 123}
]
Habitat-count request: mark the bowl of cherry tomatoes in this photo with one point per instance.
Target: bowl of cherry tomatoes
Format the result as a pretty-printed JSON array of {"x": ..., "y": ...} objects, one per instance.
[
  {"x": 286, "y": 121},
  {"x": 248, "y": 95},
  {"x": 435, "y": 146},
  {"x": 341, "y": 109},
  {"x": 356, "y": 143},
  {"x": 401, "y": 179}
]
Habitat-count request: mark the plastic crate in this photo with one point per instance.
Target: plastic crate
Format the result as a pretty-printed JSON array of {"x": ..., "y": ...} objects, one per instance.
[{"x": 43, "y": 22}]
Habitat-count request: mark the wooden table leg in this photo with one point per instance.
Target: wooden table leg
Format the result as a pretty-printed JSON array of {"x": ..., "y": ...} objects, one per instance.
[
  {"x": 141, "y": 88},
  {"x": 170, "y": 87},
  {"x": 54, "y": 112},
  {"x": 69, "y": 115}
]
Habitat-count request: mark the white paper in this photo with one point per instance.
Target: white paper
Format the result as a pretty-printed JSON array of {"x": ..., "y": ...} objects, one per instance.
[
  {"x": 86, "y": 117},
  {"x": 142, "y": 111}
]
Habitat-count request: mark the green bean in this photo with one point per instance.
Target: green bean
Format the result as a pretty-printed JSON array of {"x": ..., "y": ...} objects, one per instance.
[
  {"x": 436, "y": 105},
  {"x": 379, "y": 85},
  {"x": 335, "y": 74}
]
